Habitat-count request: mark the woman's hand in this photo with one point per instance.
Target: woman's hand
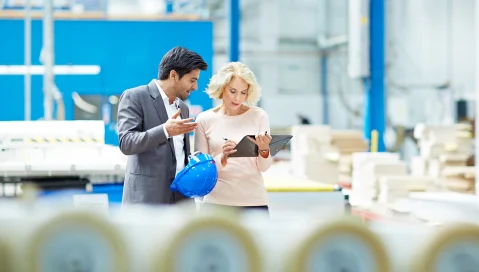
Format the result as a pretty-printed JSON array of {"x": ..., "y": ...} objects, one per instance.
[
  {"x": 228, "y": 149},
  {"x": 262, "y": 140}
]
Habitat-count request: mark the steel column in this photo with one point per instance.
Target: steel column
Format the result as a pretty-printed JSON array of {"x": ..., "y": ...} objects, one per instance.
[
  {"x": 48, "y": 60},
  {"x": 476, "y": 132},
  {"x": 375, "y": 100},
  {"x": 324, "y": 88},
  {"x": 234, "y": 29},
  {"x": 28, "y": 61}
]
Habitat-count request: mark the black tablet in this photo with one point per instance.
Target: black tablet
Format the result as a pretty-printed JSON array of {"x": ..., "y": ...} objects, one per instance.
[
  {"x": 246, "y": 148},
  {"x": 278, "y": 142}
]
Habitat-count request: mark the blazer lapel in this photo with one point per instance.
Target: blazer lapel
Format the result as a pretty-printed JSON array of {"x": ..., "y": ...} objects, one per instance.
[
  {"x": 160, "y": 108},
  {"x": 184, "y": 115}
]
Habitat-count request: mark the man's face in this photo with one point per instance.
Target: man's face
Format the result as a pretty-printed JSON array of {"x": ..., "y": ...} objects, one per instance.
[{"x": 187, "y": 84}]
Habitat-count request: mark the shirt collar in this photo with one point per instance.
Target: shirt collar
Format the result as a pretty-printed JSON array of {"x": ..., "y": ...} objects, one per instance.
[{"x": 163, "y": 94}]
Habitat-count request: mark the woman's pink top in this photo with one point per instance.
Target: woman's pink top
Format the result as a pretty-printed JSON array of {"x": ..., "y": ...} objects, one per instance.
[{"x": 240, "y": 182}]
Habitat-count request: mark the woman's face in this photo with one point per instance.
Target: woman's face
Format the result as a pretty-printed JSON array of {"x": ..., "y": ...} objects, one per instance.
[{"x": 235, "y": 93}]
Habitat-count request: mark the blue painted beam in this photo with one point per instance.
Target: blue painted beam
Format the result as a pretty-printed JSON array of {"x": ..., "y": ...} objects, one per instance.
[
  {"x": 234, "y": 16},
  {"x": 375, "y": 100}
]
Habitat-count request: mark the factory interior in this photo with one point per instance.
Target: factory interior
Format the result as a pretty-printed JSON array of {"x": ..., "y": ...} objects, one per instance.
[{"x": 378, "y": 98}]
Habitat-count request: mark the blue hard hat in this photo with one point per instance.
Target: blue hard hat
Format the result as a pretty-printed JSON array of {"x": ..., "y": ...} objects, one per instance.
[{"x": 198, "y": 178}]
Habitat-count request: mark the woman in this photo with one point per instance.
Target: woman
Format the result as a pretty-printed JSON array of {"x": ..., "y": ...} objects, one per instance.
[{"x": 240, "y": 182}]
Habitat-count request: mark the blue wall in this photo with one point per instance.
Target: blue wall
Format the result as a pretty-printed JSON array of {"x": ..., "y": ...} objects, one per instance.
[{"x": 127, "y": 51}]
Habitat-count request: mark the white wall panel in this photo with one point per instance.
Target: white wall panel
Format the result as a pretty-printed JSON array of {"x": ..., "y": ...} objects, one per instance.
[
  {"x": 299, "y": 74},
  {"x": 421, "y": 51},
  {"x": 298, "y": 19},
  {"x": 430, "y": 42},
  {"x": 283, "y": 108}
]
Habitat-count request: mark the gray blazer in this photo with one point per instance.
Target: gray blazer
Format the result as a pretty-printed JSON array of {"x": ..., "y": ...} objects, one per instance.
[{"x": 151, "y": 165}]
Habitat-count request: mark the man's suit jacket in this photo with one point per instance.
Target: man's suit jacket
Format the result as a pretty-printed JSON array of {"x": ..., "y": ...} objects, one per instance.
[{"x": 151, "y": 165}]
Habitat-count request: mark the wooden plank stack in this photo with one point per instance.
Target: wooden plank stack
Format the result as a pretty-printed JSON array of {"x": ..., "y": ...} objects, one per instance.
[
  {"x": 444, "y": 151},
  {"x": 459, "y": 179},
  {"x": 347, "y": 142},
  {"x": 311, "y": 154},
  {"x": 394, "y": 188},
  {"x": 321, "y": 154},
  {"x": 440, "y": 147},
  {"x": 367, "y": 168},
  {"x": 384, "y": 177}
]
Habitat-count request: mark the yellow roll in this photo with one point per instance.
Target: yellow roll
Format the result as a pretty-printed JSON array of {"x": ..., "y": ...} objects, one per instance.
[
  {"x": 209, "y": 243},
  {"x": 76, "y": 241},
  {"x": 449, "y": 248},
  {"x": 340, "y": 245}
]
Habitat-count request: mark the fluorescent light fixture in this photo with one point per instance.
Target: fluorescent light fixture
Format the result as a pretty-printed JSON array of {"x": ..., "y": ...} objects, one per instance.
[{"x": 57, "y": 69}]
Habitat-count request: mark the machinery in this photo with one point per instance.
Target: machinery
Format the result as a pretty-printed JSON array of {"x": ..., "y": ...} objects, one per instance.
[{"x": 56, "y": 155}]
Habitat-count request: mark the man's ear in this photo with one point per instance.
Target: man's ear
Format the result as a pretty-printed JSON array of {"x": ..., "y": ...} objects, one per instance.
[{"x": 174, "y": 75}]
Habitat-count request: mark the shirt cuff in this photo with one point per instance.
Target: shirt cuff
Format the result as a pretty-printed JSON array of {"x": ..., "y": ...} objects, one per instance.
[{"x": 166, "y": 133}]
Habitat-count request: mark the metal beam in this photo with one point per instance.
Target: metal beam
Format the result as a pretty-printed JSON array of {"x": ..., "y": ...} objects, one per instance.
[
  {"x": 28, "y": 61},
  {"x": 476, "y": 132},
  {"x": 375, "y": 100},
  {"x": 324, "y": 88},
  {"x": 48, "y": 59},
  {"x": 324, "y": 9},
  {"x": 234, "y": 29}
]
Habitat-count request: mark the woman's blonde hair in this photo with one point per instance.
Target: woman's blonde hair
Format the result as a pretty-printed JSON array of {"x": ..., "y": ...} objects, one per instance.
[{"x": 223, "y": 77}]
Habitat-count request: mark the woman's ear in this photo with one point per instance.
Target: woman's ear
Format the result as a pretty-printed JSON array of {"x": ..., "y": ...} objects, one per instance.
[{"x": 222, "y": 92}]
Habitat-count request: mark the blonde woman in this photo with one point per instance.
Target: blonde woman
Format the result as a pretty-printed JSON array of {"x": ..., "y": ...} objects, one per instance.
[{"x": 240, "y": 182}]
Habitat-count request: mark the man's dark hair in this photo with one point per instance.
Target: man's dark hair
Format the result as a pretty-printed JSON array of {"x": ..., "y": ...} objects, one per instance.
[{"x": 182, "y": 61}]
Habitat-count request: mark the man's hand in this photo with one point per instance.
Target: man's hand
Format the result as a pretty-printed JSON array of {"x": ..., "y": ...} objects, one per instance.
[
  {"x": 228, "y": 149},
  {"x": 176, "y": 127}
]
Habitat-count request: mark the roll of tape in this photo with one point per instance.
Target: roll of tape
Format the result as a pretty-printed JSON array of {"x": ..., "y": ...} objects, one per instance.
[
  {"x": 76, "y": 241},
  {"x": 449, "y": 248},
  {"x": 209, "y": 243},
  {"x": 342, "y": 245}
]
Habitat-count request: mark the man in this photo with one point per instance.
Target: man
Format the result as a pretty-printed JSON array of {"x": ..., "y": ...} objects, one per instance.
[{"x": 151, "y": 131}]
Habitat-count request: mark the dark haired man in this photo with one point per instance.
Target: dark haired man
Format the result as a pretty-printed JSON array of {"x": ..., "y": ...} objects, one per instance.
[{"x": 153, "y": 127}]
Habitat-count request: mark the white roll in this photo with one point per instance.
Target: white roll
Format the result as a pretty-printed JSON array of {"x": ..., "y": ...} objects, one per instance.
[
  {"x": 400, "y": 240},
  {"x": 339, "y": 245},
  {"x": 177, "y": 239},
  {"x": 328, "y": 244},
  {"x": 73, "y": 240},
  {"x": 5, "y": 253},
  {"x": 14, "y": 223},
  {"x": 449, "y": 248},
  {"x": 210, "y": 244}
]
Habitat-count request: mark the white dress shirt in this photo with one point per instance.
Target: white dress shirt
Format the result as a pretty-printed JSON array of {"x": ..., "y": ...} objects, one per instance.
[{"x": 178, "y": 141}]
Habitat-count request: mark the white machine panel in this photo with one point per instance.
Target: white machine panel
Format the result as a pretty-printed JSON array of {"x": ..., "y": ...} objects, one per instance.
[{"x": 57, "y": 148}]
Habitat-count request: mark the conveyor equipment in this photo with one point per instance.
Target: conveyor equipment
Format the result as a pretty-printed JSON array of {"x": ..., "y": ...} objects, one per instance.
[{"x": 57, "y": 155}]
